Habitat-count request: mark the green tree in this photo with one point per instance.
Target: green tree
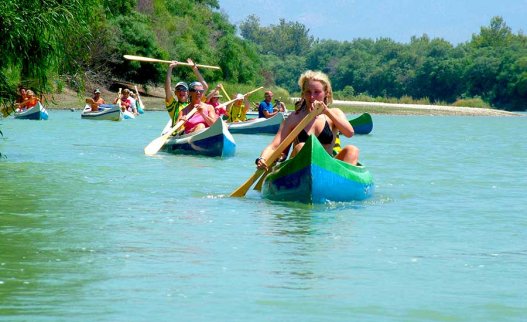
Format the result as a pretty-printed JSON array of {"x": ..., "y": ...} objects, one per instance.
[
  {"x": 286, "y": 38},
  {"x": 36, "y": 39}
]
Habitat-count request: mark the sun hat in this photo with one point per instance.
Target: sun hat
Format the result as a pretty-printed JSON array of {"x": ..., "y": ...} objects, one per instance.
[
  {"x": 182, "y": 84},
  {"x": 96, "y": 91}
]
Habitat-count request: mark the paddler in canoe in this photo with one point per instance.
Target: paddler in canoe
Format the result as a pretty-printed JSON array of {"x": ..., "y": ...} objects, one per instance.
[
  {"x": 315, "y": 86},
  {"x": 205, "y": 114},
  {"x": 30, "y": 100},
  {"x": 237, "y": 112},
  {"x": 96, "y": 100},
  {"x": 174, "y": 104},
  {"x": 213, "y": 98}
]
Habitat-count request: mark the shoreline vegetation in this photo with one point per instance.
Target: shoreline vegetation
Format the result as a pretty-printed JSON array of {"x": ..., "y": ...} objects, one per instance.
[{"x": 69, "y": 100}]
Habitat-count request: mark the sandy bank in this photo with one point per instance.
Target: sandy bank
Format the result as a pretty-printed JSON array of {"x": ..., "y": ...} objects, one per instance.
[
  {"x": 416, "y": 109},
  {"x": 69, "y": 99}
]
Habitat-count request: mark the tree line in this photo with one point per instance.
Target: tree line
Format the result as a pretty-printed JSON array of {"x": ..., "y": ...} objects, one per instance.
[{"x": 51, "y": 44}]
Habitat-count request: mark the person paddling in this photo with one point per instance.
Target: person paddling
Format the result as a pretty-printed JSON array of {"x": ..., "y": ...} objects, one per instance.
[
  {"x": 205, "y": 115},
  {"x": 238, "y": 112},
  {"x": 175, "y": 104},
  {"x": 30, "y": 101},
  {"x": 96, "y": 101},
  {"x": 315, "y": 87}
]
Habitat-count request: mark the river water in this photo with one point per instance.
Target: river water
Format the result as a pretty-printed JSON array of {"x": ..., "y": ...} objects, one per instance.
[{"x": 91, "y": 229}]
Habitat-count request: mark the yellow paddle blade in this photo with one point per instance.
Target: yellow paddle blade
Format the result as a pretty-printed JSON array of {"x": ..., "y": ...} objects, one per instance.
[
  {"x": 156, "y": 145},
  {"x": 242, "y": 190}
]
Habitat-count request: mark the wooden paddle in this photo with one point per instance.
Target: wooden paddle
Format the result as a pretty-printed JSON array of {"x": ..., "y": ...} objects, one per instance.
[
  {"x": 153, "y": 60},
  {"x": 156, "y": 144},
  {"x": 118, "y": 102},
  {"x": 242, "y": 190},
  {"x": 260, "y": 182},
  {"x": 235, "y": 99},
  {"x": 139, "y": 98},
  {"x": 224, "y": 92}
]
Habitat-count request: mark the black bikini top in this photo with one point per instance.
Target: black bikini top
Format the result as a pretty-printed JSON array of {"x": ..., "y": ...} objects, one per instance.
[{"x": 325, "y": 137}]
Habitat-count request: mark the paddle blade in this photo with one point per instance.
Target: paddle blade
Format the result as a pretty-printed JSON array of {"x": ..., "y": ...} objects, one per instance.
[
  {"x": 259, "y": 184},
  {"x": 242, "y": 190},
  {"x": 156, "y": 145}
]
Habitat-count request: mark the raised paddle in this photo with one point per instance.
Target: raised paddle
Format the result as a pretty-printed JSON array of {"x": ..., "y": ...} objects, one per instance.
[
  {"x": 242, "y": 190},
  {"x": 139, "y": 98},
  {"x": 118, "y": 102},
  {"x": 153, "y": 60},
  {"x": 235, "y": 99},
  {"x": 156, "y": 144},
  {"x": 224, "y": 92}
]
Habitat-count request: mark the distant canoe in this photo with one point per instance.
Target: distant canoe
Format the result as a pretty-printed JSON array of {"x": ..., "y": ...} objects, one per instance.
[
  {"x": 362, "y": 124},
  {"x": 106, "y": 112},
  {"x": 313, "y": 176},
  {"x": 37, "y": 112},
  {"x": 127, "y": 115},
  {"x": 215, "y": 141},
  {"x": 258, "y": 125},
  {"x": 254, "y": 114}
]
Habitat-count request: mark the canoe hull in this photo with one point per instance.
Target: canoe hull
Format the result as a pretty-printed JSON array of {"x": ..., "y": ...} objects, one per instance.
[
  {"x": 112, "y": 113},
  {"x": 37, "y": 112},
  {"x": 258, "y": 125},
  {"x": 313, "y": 176},
  {"x": 215, "y": 141},
  {"x": 127, "y": 115}
]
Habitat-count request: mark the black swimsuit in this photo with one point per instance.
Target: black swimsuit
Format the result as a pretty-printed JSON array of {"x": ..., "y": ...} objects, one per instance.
[{"x": 325, "y": 137}]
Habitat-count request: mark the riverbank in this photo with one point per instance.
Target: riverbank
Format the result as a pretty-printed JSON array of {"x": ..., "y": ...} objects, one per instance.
[{"x": 155, "y": 102}]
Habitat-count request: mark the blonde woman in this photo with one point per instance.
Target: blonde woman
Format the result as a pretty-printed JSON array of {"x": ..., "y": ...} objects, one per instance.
[{"x": 315, "y": 87}]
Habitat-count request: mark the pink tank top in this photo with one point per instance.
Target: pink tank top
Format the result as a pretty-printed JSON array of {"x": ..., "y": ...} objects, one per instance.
[{"x": 196, "y": 119}]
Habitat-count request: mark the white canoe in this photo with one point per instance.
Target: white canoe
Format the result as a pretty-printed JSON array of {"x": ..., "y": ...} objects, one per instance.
[{"x": 106, "y": 112}]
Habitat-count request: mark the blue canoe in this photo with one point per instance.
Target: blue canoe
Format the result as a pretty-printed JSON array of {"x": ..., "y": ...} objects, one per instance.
[
  {"x": 37, "y": 112},
  {"x": 313, "y": 176},
  {"x": 215, "y": 141}
]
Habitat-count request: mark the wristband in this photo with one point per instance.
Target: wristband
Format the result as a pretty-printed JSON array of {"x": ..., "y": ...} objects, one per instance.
[{"x": 259, "y": 159}]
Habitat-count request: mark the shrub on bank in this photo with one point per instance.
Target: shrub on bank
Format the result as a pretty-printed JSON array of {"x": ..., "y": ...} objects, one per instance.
[{"x": 471, "y": 102}]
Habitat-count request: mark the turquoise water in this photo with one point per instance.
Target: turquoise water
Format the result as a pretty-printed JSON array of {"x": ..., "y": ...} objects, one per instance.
[{"x": 91, "y": 229}]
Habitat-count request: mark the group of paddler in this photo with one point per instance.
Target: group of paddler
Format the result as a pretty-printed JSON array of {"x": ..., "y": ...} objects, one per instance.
[
  {"x": 187, "y": 97},
  {"x": 126, "y": 99},
  {"x": 25, "y": 100},
  {"x": 312, "y": 116}
]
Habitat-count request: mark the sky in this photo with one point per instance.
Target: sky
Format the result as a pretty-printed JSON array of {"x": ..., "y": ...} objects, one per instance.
[{"x": 453, "y": 20}]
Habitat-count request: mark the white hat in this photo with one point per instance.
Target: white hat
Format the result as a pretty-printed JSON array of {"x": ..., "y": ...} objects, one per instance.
[{"x": 239, "y": 96}]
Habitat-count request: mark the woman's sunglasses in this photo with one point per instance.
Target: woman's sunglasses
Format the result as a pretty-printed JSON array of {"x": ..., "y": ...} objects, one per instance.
[{"x": 201, "y": 91}]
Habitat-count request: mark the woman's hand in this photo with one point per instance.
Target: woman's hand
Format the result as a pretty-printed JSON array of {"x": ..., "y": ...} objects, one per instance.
[
  {"x": 200, "y": 109},
  {"x": 192, "y": 63},
  {"x": 260, "y": 164}
]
